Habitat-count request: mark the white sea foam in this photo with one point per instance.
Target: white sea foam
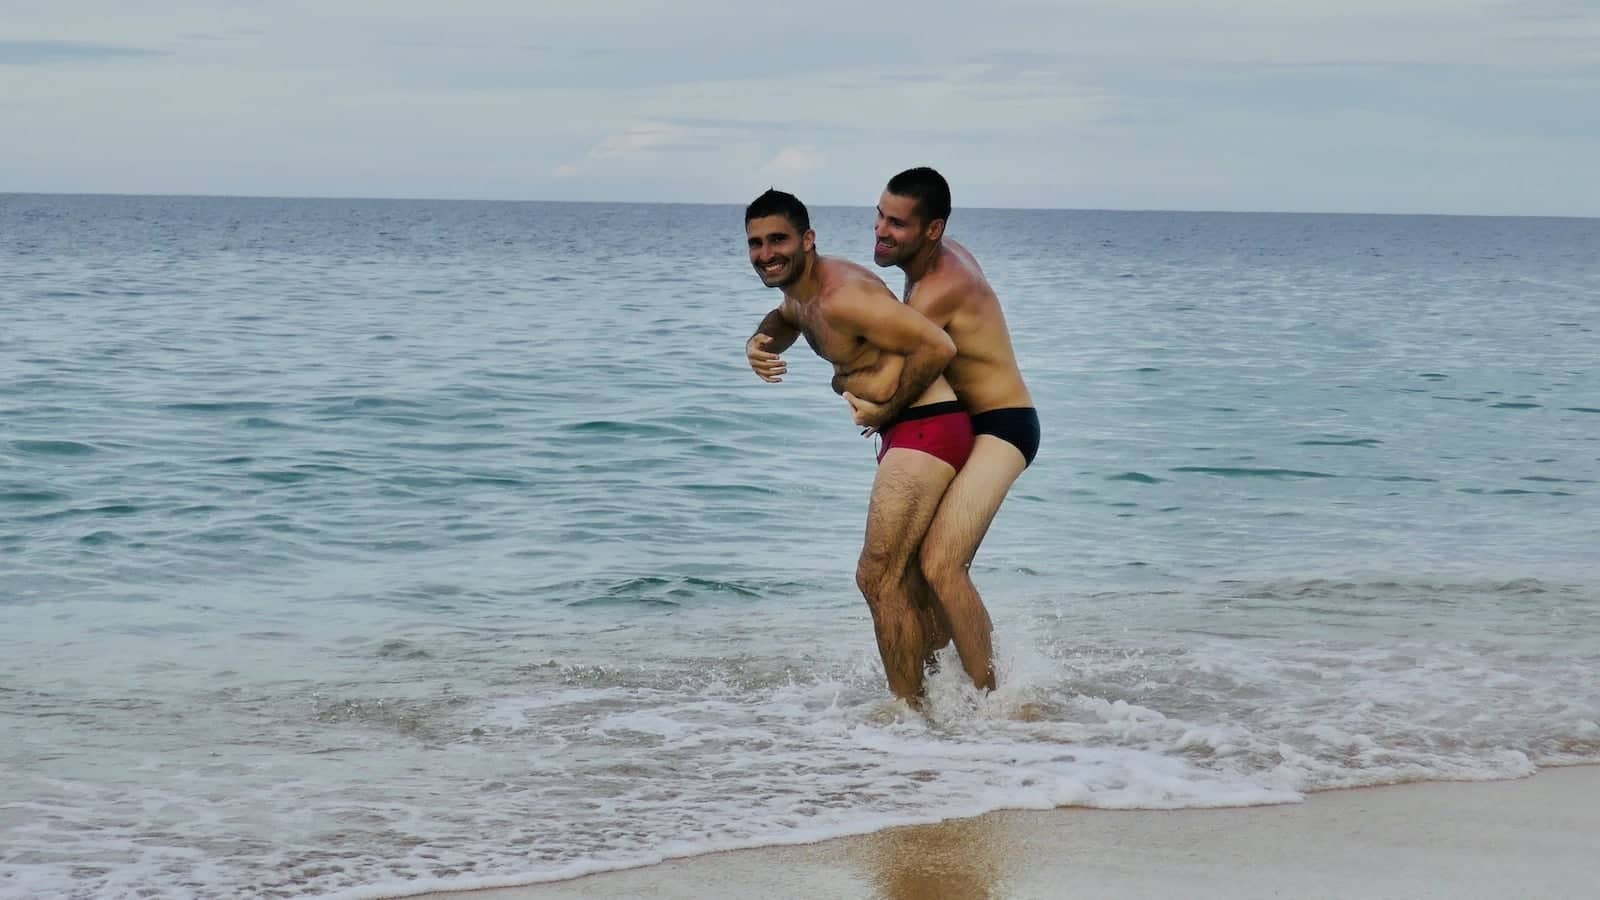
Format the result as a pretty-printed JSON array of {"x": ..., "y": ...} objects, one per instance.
[{"x": 586, "y": 768}]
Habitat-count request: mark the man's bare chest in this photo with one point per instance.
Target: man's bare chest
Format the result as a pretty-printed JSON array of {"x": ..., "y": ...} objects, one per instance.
[{"x": 843, "y": 350}]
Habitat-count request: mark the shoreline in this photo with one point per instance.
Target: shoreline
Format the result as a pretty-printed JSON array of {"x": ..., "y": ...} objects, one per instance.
[{"x": 1531, "y": 837}]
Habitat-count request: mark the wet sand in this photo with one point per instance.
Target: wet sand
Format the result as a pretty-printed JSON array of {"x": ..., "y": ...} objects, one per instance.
[{"x": 1535, "y": 838}]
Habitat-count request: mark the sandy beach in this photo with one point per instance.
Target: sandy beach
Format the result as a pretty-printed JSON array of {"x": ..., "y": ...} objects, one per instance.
[{"x": 1530, "y": 838}]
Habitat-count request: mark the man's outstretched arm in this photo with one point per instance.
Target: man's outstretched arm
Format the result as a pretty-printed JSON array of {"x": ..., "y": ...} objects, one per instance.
[{"x": 774, "y": 335}]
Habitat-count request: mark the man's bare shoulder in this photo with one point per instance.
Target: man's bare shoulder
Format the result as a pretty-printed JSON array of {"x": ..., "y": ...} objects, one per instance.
[
  {"x": 838, "y": 272},
  {"x": 851, "y": 300},
  {"x": 844, "y": 281},
  {"x": 955, "y": 277},
  {"x": 958, "y": 266}
]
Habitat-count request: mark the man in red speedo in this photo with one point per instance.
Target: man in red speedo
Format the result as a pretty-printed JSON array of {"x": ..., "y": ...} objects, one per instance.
[{"x": 851, "y": 319}]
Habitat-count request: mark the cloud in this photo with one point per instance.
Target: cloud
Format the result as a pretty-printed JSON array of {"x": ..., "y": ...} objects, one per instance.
[
  {"x": 1570, "y": 12},
  {"x": 32, "y": 53},
  {"x": 1441, "y": 105},
  {"x": 235, "y": 34},
  {"x": 647, "y": 139},
  {"x": 797, "y": 159}
]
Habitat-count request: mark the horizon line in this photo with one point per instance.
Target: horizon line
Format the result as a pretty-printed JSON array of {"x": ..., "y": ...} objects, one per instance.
[{"x": 425, "y": 199}]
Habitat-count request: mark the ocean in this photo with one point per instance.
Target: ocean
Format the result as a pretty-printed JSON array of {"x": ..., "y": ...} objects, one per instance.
[{"x": 351, "y": 548}]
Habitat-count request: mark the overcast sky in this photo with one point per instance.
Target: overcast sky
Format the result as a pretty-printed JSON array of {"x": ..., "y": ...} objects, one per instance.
[{"x": 1454, "y": 106}]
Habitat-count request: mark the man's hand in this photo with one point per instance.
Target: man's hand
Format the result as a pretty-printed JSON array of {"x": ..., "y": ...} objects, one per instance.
[
  {"x": 867, "y": 414},
  {"x": 767, "y": 365}
]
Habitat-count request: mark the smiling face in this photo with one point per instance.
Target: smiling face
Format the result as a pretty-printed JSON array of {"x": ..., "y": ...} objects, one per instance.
[
  {"x": 777, "y": 249},
  {"x": 901, "y": 231}
]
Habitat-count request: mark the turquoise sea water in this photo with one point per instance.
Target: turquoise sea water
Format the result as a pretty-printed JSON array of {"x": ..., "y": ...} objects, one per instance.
[{"x": 356, "y": 547}]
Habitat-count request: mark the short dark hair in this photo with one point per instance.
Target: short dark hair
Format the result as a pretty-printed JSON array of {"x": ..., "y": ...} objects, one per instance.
[
  {"x": 928, "y": 188},
  {"x": 778, "y": 203}
]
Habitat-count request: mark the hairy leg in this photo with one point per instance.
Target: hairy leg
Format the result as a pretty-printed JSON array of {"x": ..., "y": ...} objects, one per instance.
[
  {"x": 905, "y": 495},
  {"x": 963, "y": 518},
  {"x": 935, "y": 627}
]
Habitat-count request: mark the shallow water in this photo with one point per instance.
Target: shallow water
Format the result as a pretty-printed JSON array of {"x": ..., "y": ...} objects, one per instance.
[{"x": 353, "y": 544}]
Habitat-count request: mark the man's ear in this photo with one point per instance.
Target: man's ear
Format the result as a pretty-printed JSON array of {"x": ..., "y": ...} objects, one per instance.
[
  {"x": 808, "y": 241},
  {"x": 935, "y": 229}
]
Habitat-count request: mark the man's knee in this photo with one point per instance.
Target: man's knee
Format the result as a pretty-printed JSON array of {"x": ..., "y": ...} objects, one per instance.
[
  {"x": 884, "y": 584},
  {"x": 872, "y": 575},
  {"x": 942, "y": 567}
]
